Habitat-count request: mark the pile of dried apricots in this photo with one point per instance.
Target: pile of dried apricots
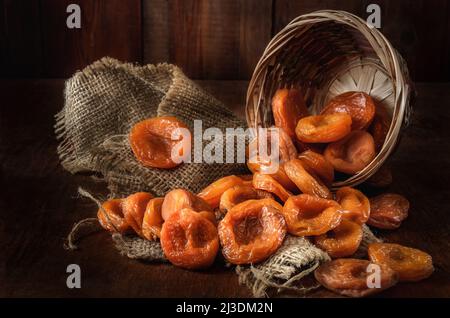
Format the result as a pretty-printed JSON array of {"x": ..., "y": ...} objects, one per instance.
[{"x": 248, "y": 216}]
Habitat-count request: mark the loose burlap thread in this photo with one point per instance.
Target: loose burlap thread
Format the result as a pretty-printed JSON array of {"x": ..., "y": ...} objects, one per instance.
[{"x": 102, "y": 103}]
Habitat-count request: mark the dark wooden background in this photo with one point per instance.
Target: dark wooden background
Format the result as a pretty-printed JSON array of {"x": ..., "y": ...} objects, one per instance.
[{"x": 209, "y": 39}]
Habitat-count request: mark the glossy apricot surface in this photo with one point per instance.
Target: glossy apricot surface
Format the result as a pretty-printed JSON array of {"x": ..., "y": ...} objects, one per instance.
[
  {"x": 355, "y": 204},
  {"x": 288, "y": 106},
  {"x": 358, "y": 105},
  {"x": 351, "y": 154},
  {"x": 252, "y": 231},
  {"x": 341, "y": 241},
  {"x": 388, "y": 211},
  {"x": 189, "y": 240},
  {"x": 152, "y": 143},
  {"x": 134, "y": 207},
  {"x": 268, "y": 183},
  {"x": 178, "y": 199},
  {"x": 111, "y": 218},
  {"x": 323, "y": 128},
  {"x": 212, "y": 193},
  {"x": 307, "y": 215},
  {"x": 319, "y": 165},
  {"x": 152, "y": 222},
  {"x": 411, "y": 264}
]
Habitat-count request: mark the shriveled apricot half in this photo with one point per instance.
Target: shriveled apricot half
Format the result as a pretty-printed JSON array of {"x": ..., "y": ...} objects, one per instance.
[
  {"x": 134, "y": 207},
  {"x": 111, "y": 218},
  {"x": 152, "y": 143},
  {"x": 380, "y": 126},
  {"x": 351, "y": 154},
  {"x": 258, "y": 165},
  {"x": 252, "y": 231},
  {"x": 355, "y": 204},
  {"x": 236, "y": 195},
  {"x": 307, "y": 215},
  {"x": 277, "y": 138},
  {"x": 319, "y": 165},
  {"x": 411, "y": 264},
  {"x": 189, "y": 240},
  {"x": 288, "y": 106},
  {"x": 178, "y": 199},
  {"x": 305, "y": 180},
  {"x": 323, "y": 128},
  {"x": 268, "y": 183},
  {"x": 341, "y": 241},
  {"x": 388, "y": 210},
  {"x": 350, "y": 277},
  {"x": 212, "y": 193},
  {"x": 358, "y": 105},
  {"x": 152, "y": 222}
]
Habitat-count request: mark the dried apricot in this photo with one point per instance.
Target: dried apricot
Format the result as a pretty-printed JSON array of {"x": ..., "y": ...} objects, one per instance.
[
  {"x": 257, "y": 165},
  {"x": 380, "y": 126},
  {"x": 252, "y": 231},
  {"x": 288, "y": 106},
  {"x": 267, "y": 183},
  {"x": 307, "y": 215},
  {"x": 323, "y": 128},
  {"x": 358, "y": 105},
  {"x": 153, "y": 221},
  {"x": 411, "y": 264},
  {"x": 152, "y": 143},
  {"x": 388, "y": 210},
  {"x": 305, "y": 180},
  {"x": 319, "y": 165},
  {"x": 350, "y": 277},
  {"x": 111, "y": 218},
  {"x": 351, "y": 154},
  {"x": 382, "y": 178},
  {"x": 189, "y": 240},
  {"x": 210, "y": 216},
  {"x": 134, "y": 209},
  {"x": 238, "y": 194},
  {"x": 341, "y": 241},
  {"x": 355, "y": 204},
  {"x": 285, "y": 144},
  {"x": 212, "y": 193},
  {"x": 178, "y": 199}
]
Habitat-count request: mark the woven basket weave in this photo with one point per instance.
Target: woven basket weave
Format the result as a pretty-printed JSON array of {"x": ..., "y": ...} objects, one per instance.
[{"x": 326, "y": 53}]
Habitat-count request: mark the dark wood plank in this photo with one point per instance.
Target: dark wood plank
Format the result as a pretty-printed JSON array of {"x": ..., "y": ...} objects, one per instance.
[
  {"x": 20, "y": 39},
  {"x": 40, "y": 204},
  {"x": 108, "y": 28},
  {"x": 207, "y": 39}
]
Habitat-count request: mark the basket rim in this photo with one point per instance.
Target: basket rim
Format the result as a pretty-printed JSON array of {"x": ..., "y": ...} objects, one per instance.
[{"x": 386, "y": 54}]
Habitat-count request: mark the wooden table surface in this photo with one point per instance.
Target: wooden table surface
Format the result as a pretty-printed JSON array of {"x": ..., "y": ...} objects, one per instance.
[{"x": 39, "y": 204}]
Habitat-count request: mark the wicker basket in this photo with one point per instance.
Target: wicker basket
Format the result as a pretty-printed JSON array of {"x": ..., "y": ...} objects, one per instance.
[{"x": 326, "y": 53}]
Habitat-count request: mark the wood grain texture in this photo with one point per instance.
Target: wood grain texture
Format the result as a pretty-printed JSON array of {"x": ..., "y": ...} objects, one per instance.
[
  {"x": 109, "y": 28},
  {"x": 207, "y": 39},
  {"x": 40, "y": 204}
]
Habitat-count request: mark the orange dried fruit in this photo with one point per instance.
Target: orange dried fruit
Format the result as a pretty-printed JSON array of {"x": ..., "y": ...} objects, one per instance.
[
  {"x": 153, "y": 221},
  {"x": 286, "y": 148},
  {"x": 239, "y": 194},
  {"x": 319, "y": 165},
  {"x": 358, "y": 105},
  {"x": 178, "y": 199},
  {"x": 152, "y": 143},
  {"x": 111, "y": 218},
  {"x": 411, "y": 264},
  {"x": 323, "y": 128},
  {"x": 210, "y": 216},
  {"x": 288, "y": 106},
  {"x": 189, "y": 240},
  {"x": 341, "y": 241},
  {"x": 306, "y": 180},
  {"x": 351, "y": 154},
  {"x": 252, "y": 231},
  {"x": 268, "y": 183},
  {"x": 380, "y": 126},
  {"x": 388, "y": 210},
  {"x": 212, "y": 193},
  {"x": 355, "y": 204},
  {"x": 307, "y": 215},
  {"x": 258, "y": 165},
  {"x": 134, "y": 207},
  {"x": 350, "y": 277}
]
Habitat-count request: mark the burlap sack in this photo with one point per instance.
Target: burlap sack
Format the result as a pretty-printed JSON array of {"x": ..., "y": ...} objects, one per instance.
[{"x": 102, "y": 103}]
